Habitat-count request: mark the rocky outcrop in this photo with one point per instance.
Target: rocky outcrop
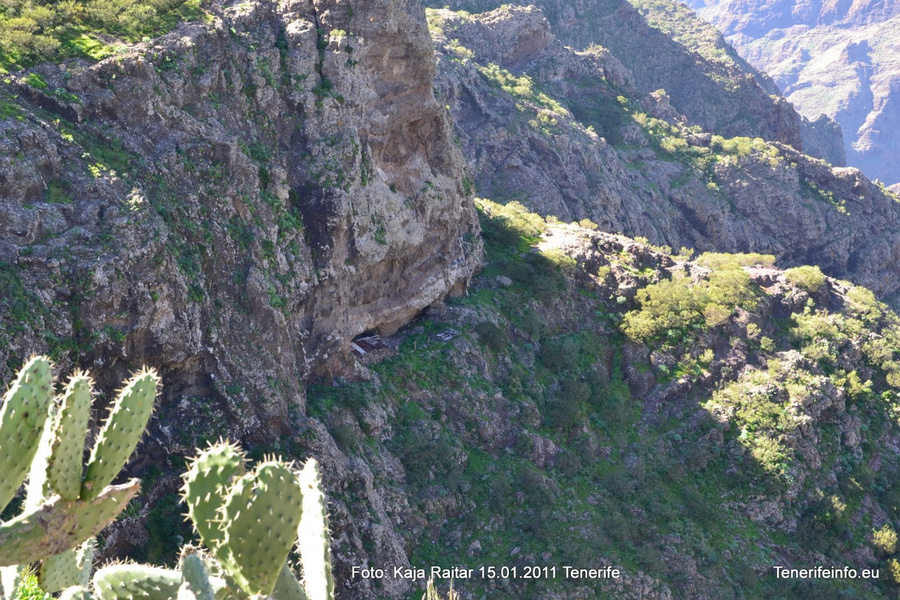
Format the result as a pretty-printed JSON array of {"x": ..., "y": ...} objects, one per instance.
[
  {"x": 833, "y": 59},
  {"x": 287, "y": 164},
  {"x": 574, "y": 149},
  {"x": 824, "y": 138}
]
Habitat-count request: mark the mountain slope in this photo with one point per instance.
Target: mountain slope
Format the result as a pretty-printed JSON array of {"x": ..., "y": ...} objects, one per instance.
[
  {"x": 568, "y": 134},
  {"x": 236, "y": 201},
  {"x": 565, "y": 413},
  {"x": 706, "y": 81},
  {"x": 231, "y": 203}
]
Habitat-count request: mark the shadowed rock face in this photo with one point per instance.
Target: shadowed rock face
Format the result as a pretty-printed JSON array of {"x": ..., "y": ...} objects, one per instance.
[
  {"x": 773, "y": 200},
  {"x": 831, "y": 58},
  {"x": 233, "y": 203}
]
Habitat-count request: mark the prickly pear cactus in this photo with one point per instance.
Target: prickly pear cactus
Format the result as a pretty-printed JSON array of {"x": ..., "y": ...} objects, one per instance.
[
  {"x": 195, "y": 576},
  {"x": 65, "y": 468},
  {"x": 136, "y": 582},
  {"x": 71, "y": 568},
  {"x": 253, "y": 520},
  {"x": 206, "y": 485},
  {"x": 260, "y": 519},
  {"x": 249, "y": 521},
  {"x": 76, "y": 593},
  {"x": 44, "y": 439}
]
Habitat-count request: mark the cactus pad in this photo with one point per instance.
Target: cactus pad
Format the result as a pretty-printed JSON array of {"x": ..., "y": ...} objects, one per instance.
[
  {"x": 38, "y": 488},
  {"x": 260, "y": 520},
  {"x": 136, "y": 582},
  {"x": 59, "y": 572},
  {"x": 84, "y": 557},
  {"x": 76, "y": 593},
  {"x": 64, "y": 469},
  {"x": 22, "y": 418},
  {"x": 205, "y": 486},
  {"x": 61, "y": 524},
  {"x": 72, "y": 568},
  {"x": 287, "y": 587},
  {"x": 314, "y": 537},
  {"x": 195, "y": 575},
  {"x": 121, "y": 432}
]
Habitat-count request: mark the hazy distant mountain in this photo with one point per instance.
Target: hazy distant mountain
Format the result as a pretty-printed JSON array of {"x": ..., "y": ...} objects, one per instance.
[{"x": 833, "y": 58}]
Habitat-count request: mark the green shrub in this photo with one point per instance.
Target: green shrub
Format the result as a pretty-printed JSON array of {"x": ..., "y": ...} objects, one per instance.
[
  {"x": 718, "y": 260},
  {"x": 668, "y": 308},
  {"x": 492, "y": 336},
  {"x": 563, "y": 411},
  {"x": 810, "y": 279},
  {"x": 885, "y": 540},
  {"x": 557, "y": 354},
  {"x": 31, "y": 32},
  {"x": 511, "y": 224},
  {"x": 894, "y": 571}
]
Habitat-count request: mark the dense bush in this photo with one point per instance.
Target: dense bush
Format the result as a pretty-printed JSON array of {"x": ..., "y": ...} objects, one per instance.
[
  {"x": 563, "y": 410},
  {"x": 808, "y": 278},
  {"x": 492, "y": 336},
  {"x": 557, "y": 354},
  {"x": 885, "y": 540},
  {"x": 511, "y": 224},
  {"x": 32, "y": 31},
  {"x": 670, "y": 309}
]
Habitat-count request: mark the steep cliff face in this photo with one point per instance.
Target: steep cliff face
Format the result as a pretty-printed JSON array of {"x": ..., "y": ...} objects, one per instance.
[
  {"x": 232, "y": 203},
  {"x": 550, "y": 127},
  {"x": 836, "y": 59}
]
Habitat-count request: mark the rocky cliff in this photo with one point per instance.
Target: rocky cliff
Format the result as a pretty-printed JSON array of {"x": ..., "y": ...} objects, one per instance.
[
  {"x": 569, "y": 134},
  {"x": 836, "y": 59},
  {"x": 665, "y": 46},
  {"x": 232, "y": 204}
]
